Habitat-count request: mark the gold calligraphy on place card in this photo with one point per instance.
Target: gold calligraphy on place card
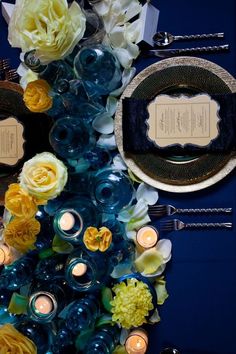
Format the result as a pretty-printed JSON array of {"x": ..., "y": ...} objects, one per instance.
[
  {"x": 11, "y": 141},
  {"x": 183, "y": 120}
]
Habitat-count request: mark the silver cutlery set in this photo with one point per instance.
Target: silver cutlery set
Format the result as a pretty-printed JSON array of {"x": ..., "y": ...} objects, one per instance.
[
  {"x": 176, "y": 224},
  {"x": 164, "y": 39}
]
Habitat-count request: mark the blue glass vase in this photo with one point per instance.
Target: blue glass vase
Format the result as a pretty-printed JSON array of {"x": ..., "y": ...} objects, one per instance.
[
  {"x": 111, "y": 190},
  {"x": 86, "y": 271},
  {"x": 46, "y": 234},
  {"x": 82, "y": 314},
  {"x": 99, "y": 69},
  {"x": 70, "y": 137},
  {"x": 104, "y": 340},
  {"x": 40, "y": 334},
  {"x": 55, "y": 73},
  {"x": 19, "y": 273},
  {"x": 63, "y": 341},
  {"x": 74, "y": 217}
]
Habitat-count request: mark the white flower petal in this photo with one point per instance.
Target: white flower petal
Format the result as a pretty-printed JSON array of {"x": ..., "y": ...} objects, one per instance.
[
  {"x": 132, "y": 31},
  {"x": 159, "y": 271},
  {"x": 103, "y": 124},
  {"x": 102, "y": 8},
  {"x": 123, "y": 335},
  {"x": 137, "y": 223},
  {"x": 107, "y": 141},
  {"x": 127, "y": 76},
  {"x": 121, "y": 269},
  {"x": 134, "y": 9},
  {"x": 147, "y": 193},
  {"x": 124, "y": 57},
  {"x": 119, "y": 163},
  {"x": 117, "y": 37},
  {"x": 131, "y": 235},
  {"x": 154, "y": 318},
  {"x": 164, "y": 246},
  {"x": 124, "y": 215},
  {"x": 140, "y": 209},
  {"x": 111, "y": 105}
]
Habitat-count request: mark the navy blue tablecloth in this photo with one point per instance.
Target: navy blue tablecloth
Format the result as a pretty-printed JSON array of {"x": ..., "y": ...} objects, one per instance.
[{"x": 199, "y": 315}]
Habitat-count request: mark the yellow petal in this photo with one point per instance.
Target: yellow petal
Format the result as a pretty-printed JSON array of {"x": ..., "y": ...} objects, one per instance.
[{"x": 149, "y": 261}]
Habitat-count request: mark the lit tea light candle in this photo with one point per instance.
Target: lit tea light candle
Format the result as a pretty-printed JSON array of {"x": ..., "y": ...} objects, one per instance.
[
  {"x": 43, "y": 304},
  {"x": 67, "y": 221},
  {"x": 79, "y": 269},
  {"x": 5, "y": 255},
  {"x": 147, "y": 237},
  {"x": 137, "y": 342}
]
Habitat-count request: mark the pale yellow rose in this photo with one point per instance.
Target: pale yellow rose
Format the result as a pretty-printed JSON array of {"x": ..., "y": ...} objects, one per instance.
[
  {"x": 12, "y": 341},
  {"x": 21, "y": 234},
  {"x": 19, "y": 202},
  {"x": 48, "y": 26},
  {"x": 43, "y": 176},
  {"x": 36, "y": 96}
]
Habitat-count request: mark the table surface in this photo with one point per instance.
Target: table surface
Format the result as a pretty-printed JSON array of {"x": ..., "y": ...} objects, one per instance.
[{"x": 199, "y": 315}]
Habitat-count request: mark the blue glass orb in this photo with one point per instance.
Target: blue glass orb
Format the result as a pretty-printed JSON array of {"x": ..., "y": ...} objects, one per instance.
[
  {"x": 97, "y": 157},
  {"x": 111, "y": 190},
  {"x": 82, "y": 314},
  {"x": 98, "y": 67},
  {"x": 70, "y": 137},
  {"x": 39, "y": 334}
]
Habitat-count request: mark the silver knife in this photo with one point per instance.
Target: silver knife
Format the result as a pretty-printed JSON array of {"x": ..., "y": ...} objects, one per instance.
[{"x": 165, "y": 53}]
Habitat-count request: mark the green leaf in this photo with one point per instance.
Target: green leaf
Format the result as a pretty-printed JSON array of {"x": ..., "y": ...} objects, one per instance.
[
  {"x": 106, "y": 298},
  {"x": 82, "y": 339},
  {"x": 18, "y": 304},
  {"x": 104, "y": 320},
  {"x": 61, "y": 246}
]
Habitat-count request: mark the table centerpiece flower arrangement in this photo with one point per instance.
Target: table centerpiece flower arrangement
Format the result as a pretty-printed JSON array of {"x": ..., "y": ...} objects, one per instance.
[{"x": 70, "y": 223}]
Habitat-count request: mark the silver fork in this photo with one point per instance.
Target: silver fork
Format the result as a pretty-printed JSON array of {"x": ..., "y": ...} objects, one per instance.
[
  {"x": 176, "y": 225},
  {"x": 166, "y": 210}
]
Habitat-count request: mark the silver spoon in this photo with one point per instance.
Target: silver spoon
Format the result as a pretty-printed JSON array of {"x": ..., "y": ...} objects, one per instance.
[
  {"x": 162, "y": 39},
  {"x": 169, "y": 351}
]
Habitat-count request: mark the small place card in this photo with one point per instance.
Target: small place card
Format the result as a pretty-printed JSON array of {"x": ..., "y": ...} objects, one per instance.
[
  {"x": 11, "y": 141},
  {"x": 183, "y": 120}
]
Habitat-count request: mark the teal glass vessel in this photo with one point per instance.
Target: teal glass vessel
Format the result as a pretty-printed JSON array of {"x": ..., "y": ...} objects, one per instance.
[
  {"x": 70, "y": 137},
  {"x": 56, "y": 73},
  {"x": 47, "y": 299},
  {"x": 82, "y": 314},
  {"x": 63, "y": 341},
  {"x": 86, "y": 271},
  {"x": 104, "y": 340},
  {"x": 19, "y": 273},
  {"x": 40, "y": 334},
  {"x": 111, "y": 190},
  {"x": 74, "y": 217},
  {"x": 99, "y": 69}
]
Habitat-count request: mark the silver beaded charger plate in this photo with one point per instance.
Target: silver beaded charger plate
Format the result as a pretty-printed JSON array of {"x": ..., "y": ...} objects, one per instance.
[{"x": 174, "y": 76}]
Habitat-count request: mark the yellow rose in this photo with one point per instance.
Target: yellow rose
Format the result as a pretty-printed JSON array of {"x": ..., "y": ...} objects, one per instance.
[
  {"x": 19, "y": 202},
  {"x": 48, "y": 26},
  {"x": 36, "y": 96},
  {"x": 97, "y": 240},
  {"x": 21, "y": 234},
  {"x": 43, "y": 176},
  {"x": 12, "y": 341}
]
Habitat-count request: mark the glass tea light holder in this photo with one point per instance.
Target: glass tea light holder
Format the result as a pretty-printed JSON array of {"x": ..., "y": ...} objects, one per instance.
[
  {"x": 146, "y": 237},
  {"x": 137, "y": 342},
  {"x": 7, "y": 255},
  {"x": 85, "y": 271},
  {"x": 111, "y": 190},
  {"x": 42, "y": 307},
  {"x": 73, "y": 218}
]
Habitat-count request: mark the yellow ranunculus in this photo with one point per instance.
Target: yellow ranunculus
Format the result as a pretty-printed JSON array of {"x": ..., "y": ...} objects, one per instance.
[
  {"x": 19, "y": 202},
  {"x": 21, "y": 234},
  {"x": 43, "y": 176},
  {"x": 48, "y": 26},
  {"x": 36, "y": 96},
  {"x": 12, "y": 341},
  {"x": 96, "y": 240}
]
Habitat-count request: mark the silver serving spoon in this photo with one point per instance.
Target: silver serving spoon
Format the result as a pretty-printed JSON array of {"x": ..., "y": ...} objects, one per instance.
[{"x": 162, "y": 39}]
